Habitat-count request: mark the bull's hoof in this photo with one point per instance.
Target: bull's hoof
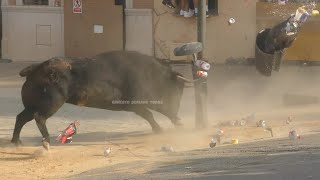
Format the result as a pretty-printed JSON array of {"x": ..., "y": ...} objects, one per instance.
[
  {"x": 16, "y": 142},
  {"x": 46, "y": 145}
]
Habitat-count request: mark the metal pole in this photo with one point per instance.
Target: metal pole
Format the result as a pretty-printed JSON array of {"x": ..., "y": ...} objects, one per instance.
[
  {"x": 201, "y": 24},
  {"x": 201, "y": 85}
]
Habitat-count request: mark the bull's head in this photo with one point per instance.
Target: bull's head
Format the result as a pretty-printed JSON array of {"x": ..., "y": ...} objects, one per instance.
[{"x": 52, "y": 70}]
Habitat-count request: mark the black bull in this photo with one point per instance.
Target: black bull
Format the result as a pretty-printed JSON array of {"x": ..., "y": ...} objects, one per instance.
[{"x": 118, "y": 81}]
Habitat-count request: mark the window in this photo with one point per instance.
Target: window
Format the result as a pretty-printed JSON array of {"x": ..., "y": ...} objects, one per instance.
[
  {"x": 35, "y": 2},
  {"x": 212, "y": 6}
]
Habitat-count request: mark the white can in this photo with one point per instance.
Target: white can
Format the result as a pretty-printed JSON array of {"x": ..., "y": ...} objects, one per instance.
[
  {"x": 293, "y": 135},
  {"x": 202, "y": 74},
  {"x": 107, "y": 151},
  {"x": 301, "y": 15},
  {"x": 203, "y": 65}
]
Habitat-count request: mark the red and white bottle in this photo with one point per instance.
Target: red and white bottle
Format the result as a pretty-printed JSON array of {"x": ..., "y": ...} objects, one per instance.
[
  {"x": 203, "y": 65},
  {"x": 202, "y": 74}
]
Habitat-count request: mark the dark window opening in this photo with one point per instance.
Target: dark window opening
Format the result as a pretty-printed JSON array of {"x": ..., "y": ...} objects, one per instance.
[
  {"x": 212, "y": 6},
  {"x": 35, "y": 2}
]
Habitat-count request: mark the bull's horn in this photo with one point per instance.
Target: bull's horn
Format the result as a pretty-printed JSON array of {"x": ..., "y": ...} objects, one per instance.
[{"x": 186, "y": 80}]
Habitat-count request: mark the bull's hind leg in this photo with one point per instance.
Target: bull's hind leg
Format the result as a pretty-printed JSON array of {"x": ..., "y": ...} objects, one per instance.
[
  {"x": 41, "y": 123},
  {"x": 21, "y": 119},
  {"x": 147, "y": 115}
]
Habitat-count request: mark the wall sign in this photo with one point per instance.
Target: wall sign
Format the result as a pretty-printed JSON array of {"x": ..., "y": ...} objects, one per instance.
[{"x": 77, "y": 6}]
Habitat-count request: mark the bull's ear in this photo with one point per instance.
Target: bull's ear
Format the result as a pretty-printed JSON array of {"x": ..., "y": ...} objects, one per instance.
[{"x": 28, "y": 70}]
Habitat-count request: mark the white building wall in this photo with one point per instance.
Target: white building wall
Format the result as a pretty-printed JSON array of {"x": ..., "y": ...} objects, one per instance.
[{"x": 32, "y": 33}]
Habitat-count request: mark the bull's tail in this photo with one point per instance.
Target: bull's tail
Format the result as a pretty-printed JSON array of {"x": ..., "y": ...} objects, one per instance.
[{"x": 28, "y": 70}]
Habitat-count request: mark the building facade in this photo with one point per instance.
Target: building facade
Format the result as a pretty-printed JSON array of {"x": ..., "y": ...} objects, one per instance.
[
  {"x": 32, "y": 31},
  {"x": 35, "y": 30}
]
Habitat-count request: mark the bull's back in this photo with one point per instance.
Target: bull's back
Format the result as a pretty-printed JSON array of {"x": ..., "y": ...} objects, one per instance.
[{"x": 120, "y": 75}]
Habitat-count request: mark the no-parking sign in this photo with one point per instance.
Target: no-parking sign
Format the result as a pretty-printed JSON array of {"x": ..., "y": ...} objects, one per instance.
[{"x": 77, "y": 6}]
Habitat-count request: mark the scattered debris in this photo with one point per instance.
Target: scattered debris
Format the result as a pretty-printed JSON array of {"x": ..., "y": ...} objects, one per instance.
[
  {"x": 293, "y": 135},
  {"x": 261, "y": 123},
  {"x": 167, "y": 149},
  {"x": 216, "y": 138},
  {"x": 66, "y": 135},
  {"x": 107, "y": 151},
  {"x": 220, "y": 132},
  {"x": 270, "y": 130},
  {"x": 213, "y": 143},
  {"x": 241, "y": 122},
  {"x": 289, "y": 120},
  {"x": 203, "y": 65},
  {"x": 202, "y": 74},
  {"x": 315, "y": 13},
  {"x": 231, "y": 21},
  {"x": 282, "y": 2},
  {"x": 234, "y": 141}
]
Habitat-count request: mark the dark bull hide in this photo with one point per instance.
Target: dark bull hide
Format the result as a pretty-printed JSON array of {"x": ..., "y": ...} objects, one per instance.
[
  {"x": 270, "y": 45},
  {"x": 118, "y": 81}
]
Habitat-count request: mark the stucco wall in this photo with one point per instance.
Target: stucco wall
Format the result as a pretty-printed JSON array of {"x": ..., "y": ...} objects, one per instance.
[
  {"x": 223, "y": 41},
  {"x": 80, "y": 38},
  {"x": 142, "y": 4},
  {"x": 139, "y": 34},
  {"x": 32, "y": 33}
]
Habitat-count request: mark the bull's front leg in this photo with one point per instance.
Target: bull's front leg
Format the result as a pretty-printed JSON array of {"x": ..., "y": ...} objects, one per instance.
[
  {"x": 147, "y": 115},
  {"x": 22, "y": 118},
  {"x": 41, "y": 123}
]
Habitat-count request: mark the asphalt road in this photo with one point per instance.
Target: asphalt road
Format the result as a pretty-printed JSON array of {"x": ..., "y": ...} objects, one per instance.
[{"x": 280, "y": 159}]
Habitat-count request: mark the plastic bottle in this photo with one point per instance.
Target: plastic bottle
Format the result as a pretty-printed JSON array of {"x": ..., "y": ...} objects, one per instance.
[
  {"x": 203, "y": 65},
  {"x": 202, "y": 74}
]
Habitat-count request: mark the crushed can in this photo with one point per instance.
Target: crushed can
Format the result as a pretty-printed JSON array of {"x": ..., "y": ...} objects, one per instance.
[
  {"x": 213, "y": 142},
  {"x": 289, "y": 120},
  {"x": 167, "y": 149},
  {"x": 107, "y": 151},
  {"x": 203, "y": 65},
  {"x": 315, "y": 13},
  {"x": 233, "y": 122},
  {"x": 282, "y": 2},
  {"x": 202, "y": 74},
  {"x": 242, "y": 122},
  {"x": 220, "y": 132},
  {"x": 261, "y": 123},
  {"x": 293, "y": 135},
  {"x": 231, "y": 21},
  {"x": 234, "y": 141}
]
